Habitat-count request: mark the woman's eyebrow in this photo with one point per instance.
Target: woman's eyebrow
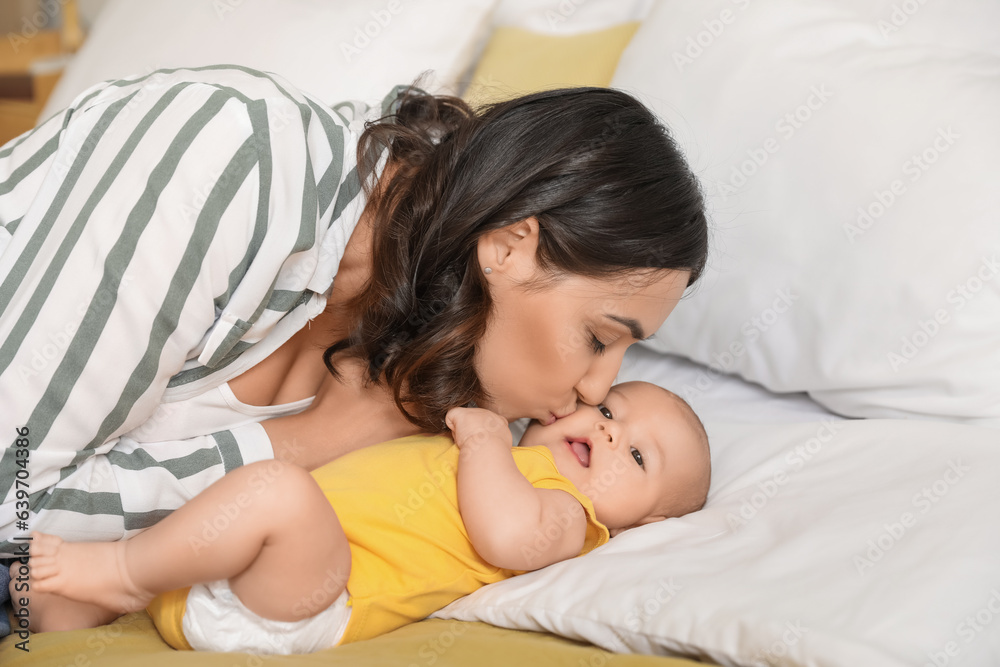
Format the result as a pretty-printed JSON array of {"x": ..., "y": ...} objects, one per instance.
[{"x": 633, "y": 326}]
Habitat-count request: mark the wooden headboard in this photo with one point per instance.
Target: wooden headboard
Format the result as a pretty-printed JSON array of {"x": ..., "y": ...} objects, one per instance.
[{"x": 30, "y": 66}]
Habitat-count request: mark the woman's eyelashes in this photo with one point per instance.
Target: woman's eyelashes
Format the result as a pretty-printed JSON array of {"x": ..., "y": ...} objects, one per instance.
[{"x": 598, "y": 346}]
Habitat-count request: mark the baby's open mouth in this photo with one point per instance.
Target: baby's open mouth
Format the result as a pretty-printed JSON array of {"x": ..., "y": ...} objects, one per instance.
[{"x": 581, "y": 448}]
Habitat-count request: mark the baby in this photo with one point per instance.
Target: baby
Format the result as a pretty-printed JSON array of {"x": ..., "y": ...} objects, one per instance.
[{"x": 419, "y": 522}]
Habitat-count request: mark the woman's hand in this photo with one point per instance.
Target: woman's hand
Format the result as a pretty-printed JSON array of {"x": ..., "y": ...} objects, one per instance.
[{"x": 472, "y": 428}]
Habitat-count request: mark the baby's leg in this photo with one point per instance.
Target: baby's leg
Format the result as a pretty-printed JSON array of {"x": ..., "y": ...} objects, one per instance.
[{"x": 267, "y": 527}]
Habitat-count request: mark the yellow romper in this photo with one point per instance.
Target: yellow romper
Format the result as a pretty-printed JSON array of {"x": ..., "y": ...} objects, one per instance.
[{"x": 410, "y": 552}]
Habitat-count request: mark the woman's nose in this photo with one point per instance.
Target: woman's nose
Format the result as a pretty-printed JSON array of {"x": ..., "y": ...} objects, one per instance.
[{"x": 594, "y": 386}]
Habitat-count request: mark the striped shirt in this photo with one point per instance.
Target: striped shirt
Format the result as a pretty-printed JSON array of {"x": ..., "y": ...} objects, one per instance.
[{"x": 157, "y": 238}]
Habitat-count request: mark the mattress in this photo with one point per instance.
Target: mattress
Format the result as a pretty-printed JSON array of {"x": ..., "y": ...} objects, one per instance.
[{"x": 133, "y": 640}]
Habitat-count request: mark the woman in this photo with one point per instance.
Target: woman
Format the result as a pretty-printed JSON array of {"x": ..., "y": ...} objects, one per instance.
[{"x": 170, "y": 243}]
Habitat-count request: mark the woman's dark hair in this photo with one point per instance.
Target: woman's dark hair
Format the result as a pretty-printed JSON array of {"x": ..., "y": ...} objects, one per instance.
[{"x": 610, "y": 189}]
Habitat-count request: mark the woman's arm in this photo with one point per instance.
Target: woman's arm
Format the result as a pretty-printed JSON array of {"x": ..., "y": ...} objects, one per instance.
[
  {"x": 152, "y": 234},
  {"x": 512, "y": 524}
]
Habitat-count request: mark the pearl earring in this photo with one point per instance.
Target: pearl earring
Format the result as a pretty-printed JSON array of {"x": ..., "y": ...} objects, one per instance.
[{"x": 487, "y": 270}]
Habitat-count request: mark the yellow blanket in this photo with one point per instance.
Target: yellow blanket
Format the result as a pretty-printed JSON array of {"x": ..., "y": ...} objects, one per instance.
[{"x": 132, "y": 640}]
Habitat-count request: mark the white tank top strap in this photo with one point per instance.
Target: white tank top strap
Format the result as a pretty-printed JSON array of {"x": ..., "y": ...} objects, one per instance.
[{"x": 217, "y": 409}]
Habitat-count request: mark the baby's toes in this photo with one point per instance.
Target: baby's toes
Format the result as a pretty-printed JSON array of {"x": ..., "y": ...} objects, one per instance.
[
  {"x": 41, "y": 570},
  {"x": 42, "y": 575},
  {"x": 45, "y": 545}
]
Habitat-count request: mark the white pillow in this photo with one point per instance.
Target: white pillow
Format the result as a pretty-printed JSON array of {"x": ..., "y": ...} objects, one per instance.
[
  {"x": 850, "y": 153},
  {"x": 357, "y": 49},
  {"x": 838, "y": 543},
  {"x": 569, "y": 16}
]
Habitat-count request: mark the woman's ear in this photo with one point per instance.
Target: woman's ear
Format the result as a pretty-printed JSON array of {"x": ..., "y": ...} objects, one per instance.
[{"x": 511, "y": 250}]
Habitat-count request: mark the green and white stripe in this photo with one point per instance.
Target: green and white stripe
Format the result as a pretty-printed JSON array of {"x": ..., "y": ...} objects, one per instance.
[{"x": 157, "y": 238}]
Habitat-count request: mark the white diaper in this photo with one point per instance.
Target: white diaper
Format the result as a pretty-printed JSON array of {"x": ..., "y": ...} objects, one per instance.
[{"x": 216, "y": 620}]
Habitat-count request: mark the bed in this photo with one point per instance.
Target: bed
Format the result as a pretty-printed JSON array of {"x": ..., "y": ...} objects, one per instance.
[{"x": 842, "y": 349}]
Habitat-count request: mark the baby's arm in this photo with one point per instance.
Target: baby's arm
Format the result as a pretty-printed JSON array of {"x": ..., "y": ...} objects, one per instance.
[{"x": 512, "y": 524}]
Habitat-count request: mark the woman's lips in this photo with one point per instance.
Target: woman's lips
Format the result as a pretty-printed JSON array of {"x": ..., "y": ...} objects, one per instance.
[
  {"x": 553, "y": 417},
  {"x": 580, "y": 449}
]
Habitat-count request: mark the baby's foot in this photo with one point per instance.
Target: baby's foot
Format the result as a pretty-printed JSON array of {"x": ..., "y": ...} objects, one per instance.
[
  {"x": 48, "y": 612},
  {"x": 92, "y": 572}
]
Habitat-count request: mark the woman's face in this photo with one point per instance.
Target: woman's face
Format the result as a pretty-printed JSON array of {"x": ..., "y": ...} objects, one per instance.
[{"x": 546, "y": 348}]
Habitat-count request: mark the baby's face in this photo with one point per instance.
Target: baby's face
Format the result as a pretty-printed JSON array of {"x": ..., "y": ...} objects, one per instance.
[{"x": 635, "y": 456}]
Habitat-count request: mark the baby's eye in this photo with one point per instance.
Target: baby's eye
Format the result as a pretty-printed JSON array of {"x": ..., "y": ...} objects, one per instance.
[
  {"x": 604, "y": 411},
  {"x": 637, "y": 456}
]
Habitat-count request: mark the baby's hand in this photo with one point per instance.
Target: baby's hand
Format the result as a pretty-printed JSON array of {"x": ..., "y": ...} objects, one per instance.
[{"x": 473, "y": 427}]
